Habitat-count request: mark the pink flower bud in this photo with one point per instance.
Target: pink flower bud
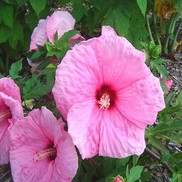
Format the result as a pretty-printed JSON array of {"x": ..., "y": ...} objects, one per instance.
[
  {"x": 118, "y": 179},
  {"x": 168, "y": 84}
]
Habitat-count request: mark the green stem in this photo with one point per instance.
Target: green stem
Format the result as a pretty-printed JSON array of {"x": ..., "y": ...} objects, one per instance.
[
  {"x": 172, "y": 48},
  {"x": 169, "y": 31},
  {"x": 155, "y": 28},
  {"x": 149, "y": 29}
]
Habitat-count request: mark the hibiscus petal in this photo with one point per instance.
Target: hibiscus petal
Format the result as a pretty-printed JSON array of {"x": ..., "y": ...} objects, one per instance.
[
  {"x": 46, "y": 122},
  {"x": 39, "y": 36},
  {"x": 9, "y": 87},
  {"x": 141, "y": 101},
  {"x": 25, "y": 169},
  {"x": 77, "y": 78},
  {"x": 25, "y": 132},
  {"x": 119, "y": 137},
  {"x": 5, "y": 146},
  {"x": 60, "y": 22},
  {"x": 83, "y": 126},
  {"x": 75, "y": 39},
  {"x": 119, "y": 62},
  {"x": 66, "y": 163},
  {"x": 14, "y": 105}
]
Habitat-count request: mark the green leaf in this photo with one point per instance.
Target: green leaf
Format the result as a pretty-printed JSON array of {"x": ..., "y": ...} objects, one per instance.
[
  {"x": 17, "y": 35},
  {"x": 134, "y": 159},
  {"x": 175, "y": 125},
  {"x": 176, "y": 137},
  {"x": 43, "y": 65},
  {"x": 7, "y": 15},
  {"x": 38, "y": 5},
  {"x": 5, "y": 32},
  {"x": 39, "y": 85},
  {"x": 118, "y": 18},
  {"x": 21, "y": 2},
  {"x": 15, "y": 69},
  {"x": 142, "y": 4},
  {"x": 79, "y": 9},
  {"x": 127, "y": 20},
  {"x": 1, "y": 76},
  {"x": 156, "y": 65},
  {"x": 36, "y": 55},
  {"x": 49, "y": 46},
  {"x": 32, "y": 20},
  {"x": 179, "y": 99},
  {"x": 169, "y": 98},
  {"x": 156, "y": 143},
  {"x": 68, "y": 35},
  {"x": 177, "y": 177},
  {"x": 178, "y": 5},
  {"x": 135, "y": 173},
  {"x": 127, "y": 173}
]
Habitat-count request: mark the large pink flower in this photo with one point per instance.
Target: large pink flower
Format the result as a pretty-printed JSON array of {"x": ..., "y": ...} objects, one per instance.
[
  {"x": 108, "y": 96},
  {"x": 10, "y": 110},
  {"x": 41, "y": 149}
]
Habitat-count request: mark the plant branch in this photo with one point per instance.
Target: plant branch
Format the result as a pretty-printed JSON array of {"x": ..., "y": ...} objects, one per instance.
[
  {"x": 176, "y": 35},
  {"x": 155, "y": 28},
  {"x": 152, "y": 153},
  {"x": 169, "y": 31},
  {"x": 149, "y": 29}
]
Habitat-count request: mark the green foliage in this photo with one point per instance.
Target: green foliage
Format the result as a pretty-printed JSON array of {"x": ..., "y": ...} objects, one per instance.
[
  {"x": 38, "y": 6},
  {"x": 127, "y": 18},
  {"x": 169, "y": 129},
  {"x": 142, "y": 4},
  {"x": 134, "y": 173},
  {"x": 157, "y": 67},
  {"x": 39, "y": 84},
  {"x": 17, "y": 19},
  {"x": 15, "y": 69},
  {"x": 104, "y": 169}
]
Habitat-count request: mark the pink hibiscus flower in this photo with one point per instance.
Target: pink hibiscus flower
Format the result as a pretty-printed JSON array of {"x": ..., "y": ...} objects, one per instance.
[
  {"x": 41, "y": 149},
  {"x": 10, "y": 108},
  {"x": 60, "y": 22},
  {"x": 108, "y": 96}
]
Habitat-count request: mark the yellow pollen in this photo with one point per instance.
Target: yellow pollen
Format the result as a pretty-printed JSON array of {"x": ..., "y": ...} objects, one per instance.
[
  {"x": 44, "y": 154},
  {"x": 104, "y": 101}
]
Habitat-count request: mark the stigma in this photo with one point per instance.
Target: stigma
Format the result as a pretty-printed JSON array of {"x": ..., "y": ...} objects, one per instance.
[
  {"x": 49, "y": 153},
  {"x": 5, "y": 115},
  {"x": 104, "y": 101}
]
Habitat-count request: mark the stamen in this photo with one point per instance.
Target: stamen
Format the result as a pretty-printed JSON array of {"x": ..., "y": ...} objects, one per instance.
[
  {"x": 47, "y": 153},
  {"x": 5, "y": 115},
  {"x": 104, "y": 101}
]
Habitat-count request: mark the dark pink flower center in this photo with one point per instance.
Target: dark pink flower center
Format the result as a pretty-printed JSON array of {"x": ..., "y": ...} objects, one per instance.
[
  {"x": 48, "y": 153},
  {"x": 5, "y": 114},
  {"x": 105, "y": 97}
]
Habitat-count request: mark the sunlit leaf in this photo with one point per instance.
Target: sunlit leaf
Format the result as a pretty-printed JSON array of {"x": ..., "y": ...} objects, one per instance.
[
  {"x": 38, "y": 5},
  {"x": 142, "y": 4}
]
